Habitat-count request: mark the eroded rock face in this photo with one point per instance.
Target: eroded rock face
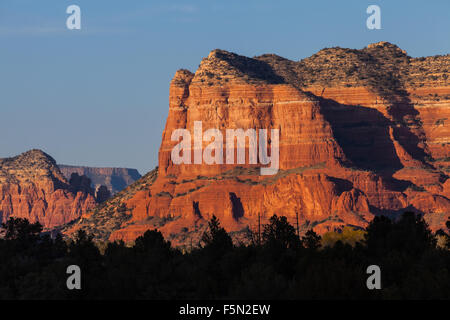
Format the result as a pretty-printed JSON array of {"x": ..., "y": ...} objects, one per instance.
[
  {"x": 33, "y": 187},
  {"x": 102, "y": 194},
  {"x": 362, "y": 133}
]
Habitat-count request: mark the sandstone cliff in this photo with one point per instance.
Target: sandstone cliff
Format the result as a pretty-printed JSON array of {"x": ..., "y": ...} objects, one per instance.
[
  {"x": 33, "y": 187},
  {"x": 362, "y": 133}
]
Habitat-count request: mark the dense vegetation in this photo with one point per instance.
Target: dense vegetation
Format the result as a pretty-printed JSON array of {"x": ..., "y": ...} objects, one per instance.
[{"x": 275, "y": 265}]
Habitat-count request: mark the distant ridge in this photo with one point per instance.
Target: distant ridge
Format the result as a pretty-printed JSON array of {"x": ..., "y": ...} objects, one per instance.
[{"x": 115, "y": 179}]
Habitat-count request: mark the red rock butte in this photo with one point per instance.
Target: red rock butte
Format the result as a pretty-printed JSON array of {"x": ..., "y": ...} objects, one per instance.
[
  {"x": 33, "y": 187},
  {"x": 362, "y": 133}
]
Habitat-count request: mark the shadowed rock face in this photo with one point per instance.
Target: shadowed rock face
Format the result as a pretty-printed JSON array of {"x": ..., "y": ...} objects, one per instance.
[
  {"x": 115, "y": 179},
  {"x": 102, "y": 194},
  {"x": 33, "y": 187},
  {"x": 362, "y": 132}
]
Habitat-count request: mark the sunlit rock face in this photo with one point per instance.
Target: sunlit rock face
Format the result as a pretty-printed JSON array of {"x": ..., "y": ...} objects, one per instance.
[
  {"x": 33, "y": 187},
  {"x": 362, "y": 133}
]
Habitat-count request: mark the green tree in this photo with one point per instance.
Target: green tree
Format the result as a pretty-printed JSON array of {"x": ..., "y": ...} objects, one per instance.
[
  {"x": 151, "y": 240},
  {"x": 82, "y": 250},
  {"x": 216, "y": 237},
  {"x": 311, "y": 240},
  {"x": 21, "y": 229},
  {"x": 348, "y": 235},
  {"x": 278, "y": 232},
  {"x": 409, "y": 234}
]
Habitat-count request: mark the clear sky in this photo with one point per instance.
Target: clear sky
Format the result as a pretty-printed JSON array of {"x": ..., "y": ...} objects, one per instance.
[{"x": 99, "y": 96}]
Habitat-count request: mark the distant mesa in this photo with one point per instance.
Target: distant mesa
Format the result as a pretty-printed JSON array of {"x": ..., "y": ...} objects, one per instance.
[{"x": 114, "y": 179}]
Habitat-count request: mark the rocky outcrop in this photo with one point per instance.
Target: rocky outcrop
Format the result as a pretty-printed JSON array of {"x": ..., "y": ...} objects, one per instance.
[
  {"x": 115, "y": 179},
  {"x": 102, "y": 194},
  {"x": 33, "y": 187},
  {"x": 362, "y": 133},
  {"x": 79, "y": 183}
]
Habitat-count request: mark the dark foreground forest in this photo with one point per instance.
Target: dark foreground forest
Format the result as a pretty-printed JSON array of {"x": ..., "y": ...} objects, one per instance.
[{"x": 275, "y": 265}]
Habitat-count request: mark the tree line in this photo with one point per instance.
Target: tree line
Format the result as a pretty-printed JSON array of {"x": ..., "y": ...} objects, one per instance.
[{"x": 276, "y": 264}]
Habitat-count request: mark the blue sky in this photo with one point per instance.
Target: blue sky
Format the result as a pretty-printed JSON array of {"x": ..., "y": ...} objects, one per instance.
[{"x": 99, "y": 96}]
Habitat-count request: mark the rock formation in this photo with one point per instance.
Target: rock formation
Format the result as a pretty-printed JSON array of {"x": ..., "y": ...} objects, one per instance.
[
  {"x": 115, "y": 179},
  {"x": 33, "y": 187},
  {"x": 102, "y": 194},
  {"x": 362, "y": 133}
]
